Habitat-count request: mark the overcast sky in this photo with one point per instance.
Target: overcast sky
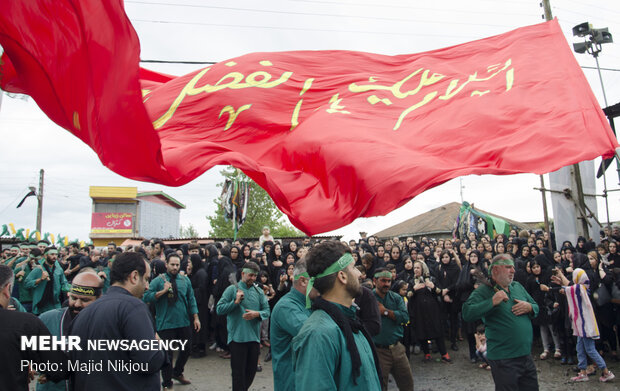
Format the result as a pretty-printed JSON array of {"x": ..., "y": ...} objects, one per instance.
[{"x": 198, "y": 30}]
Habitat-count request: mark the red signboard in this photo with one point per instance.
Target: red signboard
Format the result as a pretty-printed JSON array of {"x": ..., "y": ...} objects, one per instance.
[{"x": 112, "y": 223}]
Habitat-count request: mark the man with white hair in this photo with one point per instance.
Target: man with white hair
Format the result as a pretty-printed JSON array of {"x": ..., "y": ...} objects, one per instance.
[{"x": 506, "y": 309}]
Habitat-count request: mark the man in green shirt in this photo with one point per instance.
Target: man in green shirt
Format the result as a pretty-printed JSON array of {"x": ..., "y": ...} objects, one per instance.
[
  {"x": 14, "y": 255},
  {"x": 245, "y": 306},
  {"x": 506, "y": 310},
  {"x": 333, "y": 351},
  {"x": 288, "y": 316},
  {"x": 391, "y": 352},
  {"x": 22, "y": 267},
  {"x": 174, "y": 302},
  {"x": 47, "y": 281}
]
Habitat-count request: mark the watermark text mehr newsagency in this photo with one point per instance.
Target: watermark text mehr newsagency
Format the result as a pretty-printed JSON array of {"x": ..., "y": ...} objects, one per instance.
[{"x": 68, "y": 343}]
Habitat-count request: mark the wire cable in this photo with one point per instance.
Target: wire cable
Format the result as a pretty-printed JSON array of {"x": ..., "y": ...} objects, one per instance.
[
  {"x": 325, "y": 14},
  {"x": 213, "y": 62},
  {"x": 374, "y": 32}
]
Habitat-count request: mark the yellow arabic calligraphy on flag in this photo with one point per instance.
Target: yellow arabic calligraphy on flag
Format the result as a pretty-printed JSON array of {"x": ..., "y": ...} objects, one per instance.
[{"x": 415, "y": 84}]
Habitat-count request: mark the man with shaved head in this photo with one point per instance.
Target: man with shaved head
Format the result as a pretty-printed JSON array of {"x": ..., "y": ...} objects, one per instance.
[{"x": 85, "y": 289}]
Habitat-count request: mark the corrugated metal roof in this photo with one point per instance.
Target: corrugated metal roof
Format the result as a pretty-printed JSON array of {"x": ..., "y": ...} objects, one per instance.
[
  {"x": 439, "y": 220},
  {"x": 163, "y": 195}
]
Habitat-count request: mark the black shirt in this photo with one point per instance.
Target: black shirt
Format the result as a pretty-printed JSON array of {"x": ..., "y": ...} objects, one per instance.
[
  {"x": 13, "y": 325},
  {"x": 369, "y": 311},
  {"x": 117, "y": 315}
]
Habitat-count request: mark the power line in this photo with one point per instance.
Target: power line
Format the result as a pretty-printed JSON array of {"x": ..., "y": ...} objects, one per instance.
[
  {"x": 602, "y": 69},
  {"x": 373, "y": 32},
  {"x": 19, "y": 195},
  {"x": 594, "y": 6},
  {"x": 358, "y": 4},
  {"x": 213, "y": 62},
  {"x": 325, "y": 14},
  {"x": 586, "y": 16},
  {"x": 179, "y": 62}
]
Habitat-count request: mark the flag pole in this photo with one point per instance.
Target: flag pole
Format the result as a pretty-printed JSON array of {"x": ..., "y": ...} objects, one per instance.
[
  {"x": 548, "y": 16},
  {"x": 40, "y": 200}
]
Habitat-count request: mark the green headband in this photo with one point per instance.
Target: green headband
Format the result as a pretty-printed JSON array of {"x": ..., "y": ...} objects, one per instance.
[
  {"x": 384, "y": 273},
  {"x": 247, "y": 270},
  {"x": 52, "y": 251},
  {"x": 337, "y": 266},
  {"x": 500, "y": 262},
  {"x": 304, "y": 274}
]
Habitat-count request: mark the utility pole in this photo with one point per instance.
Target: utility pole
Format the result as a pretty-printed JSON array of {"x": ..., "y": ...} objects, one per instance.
[
  {"x": 40, "y": 200},
  {"x": 547, "y": 8},
  {"x": 575, "y": 172},
  {"x": 545, "y": 212}
]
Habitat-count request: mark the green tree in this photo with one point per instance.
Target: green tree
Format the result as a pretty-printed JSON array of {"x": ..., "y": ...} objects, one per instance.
[
  {"x": 188, "y": 231},
  {"x": 261, "y": 212}
]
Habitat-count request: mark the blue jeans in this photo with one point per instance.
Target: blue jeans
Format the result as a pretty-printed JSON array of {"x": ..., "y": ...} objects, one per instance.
[
  {"x": 586, "y": 346},
  {"x": 482, "y": 356}
]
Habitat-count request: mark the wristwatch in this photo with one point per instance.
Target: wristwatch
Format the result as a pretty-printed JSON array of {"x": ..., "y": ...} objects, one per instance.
[{"x": 385, "y": 313}]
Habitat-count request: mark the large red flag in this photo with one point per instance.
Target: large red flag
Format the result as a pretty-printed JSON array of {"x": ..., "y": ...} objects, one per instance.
[{"x": 331, "y": 135}]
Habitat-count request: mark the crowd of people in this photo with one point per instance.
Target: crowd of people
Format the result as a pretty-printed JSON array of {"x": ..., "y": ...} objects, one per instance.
[{"x": 415, "y": 296}]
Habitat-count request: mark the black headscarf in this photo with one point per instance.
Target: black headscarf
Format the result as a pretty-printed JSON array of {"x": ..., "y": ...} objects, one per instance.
[
  {"x": 225, "y": 267},
  {"x": 545, "y": 259},
  {"x": 196, "y": 263},
  {"x": 212, "y": 254},
  {"x": 466, "y": 281}
]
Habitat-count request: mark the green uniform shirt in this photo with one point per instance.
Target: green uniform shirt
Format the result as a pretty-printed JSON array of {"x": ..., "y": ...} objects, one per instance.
[
  {"x": 508, "y": 336},
  {"x": 391, "y": 331},
  {"x": 239, "y": 329},
  {"x": 17, "y": 304},
  {"x": 25, "y": 294},
  {"x": 13, "y": 261},
  {"x": 176, "y": 315},
  {"x": 287, "y": 319},
  {"x": 106, "y": 281},
  {"x": 60, "y": 284},
  {"x": 321, "y": 360},
  {"x": 53, "y": 321}
]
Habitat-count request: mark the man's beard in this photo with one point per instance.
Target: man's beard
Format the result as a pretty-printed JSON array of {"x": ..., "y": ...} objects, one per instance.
[
  {"x": 353, "y": 287},
  {"x": 73, "y": 311}
]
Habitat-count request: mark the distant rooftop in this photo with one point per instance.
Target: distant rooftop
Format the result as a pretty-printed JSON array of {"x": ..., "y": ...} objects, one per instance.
[
  {"x": 130, "y": 193},
  {"x": 436, "y": 221}
]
